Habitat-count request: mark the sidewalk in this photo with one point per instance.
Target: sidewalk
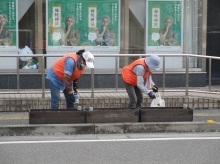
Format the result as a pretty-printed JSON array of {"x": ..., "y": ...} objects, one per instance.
[
  {"x": 19, "y": 102},
  {"x": 14, "y": 116}
]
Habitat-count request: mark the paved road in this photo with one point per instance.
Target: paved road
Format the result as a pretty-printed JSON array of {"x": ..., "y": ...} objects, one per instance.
[{"x": 112, "y": 149}]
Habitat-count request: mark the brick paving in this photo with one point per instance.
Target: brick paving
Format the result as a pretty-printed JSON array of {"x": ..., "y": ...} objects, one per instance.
[
  {"x": 24, "y": 100},
  {"x": 112, "y": 93}
]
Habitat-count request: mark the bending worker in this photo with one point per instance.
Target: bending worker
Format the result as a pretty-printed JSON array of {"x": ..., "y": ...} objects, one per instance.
[
  {"x": 64, "y": 73},
  {"x": 135, "y": 74}
]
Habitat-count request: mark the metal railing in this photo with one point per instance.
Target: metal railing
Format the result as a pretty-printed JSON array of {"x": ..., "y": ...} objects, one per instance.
[{"x": 42, "y": 71}]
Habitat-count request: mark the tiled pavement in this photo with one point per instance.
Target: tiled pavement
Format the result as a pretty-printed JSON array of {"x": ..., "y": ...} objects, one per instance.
[
  {"x": 202, "y": 92},
  {"x": 110, "y": 98}
]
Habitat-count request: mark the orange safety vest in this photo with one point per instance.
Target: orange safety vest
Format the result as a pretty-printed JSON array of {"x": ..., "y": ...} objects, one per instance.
[
  {"x": 129, "y": 76},
  {"x": 58, "y": 67}
]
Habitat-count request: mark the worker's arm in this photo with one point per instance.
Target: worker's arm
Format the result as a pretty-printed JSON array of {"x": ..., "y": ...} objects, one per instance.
[
  {"x": 140, "y": 84},
  {"x": 140, "y": 71},
  {"x": 68, "y": 70}
]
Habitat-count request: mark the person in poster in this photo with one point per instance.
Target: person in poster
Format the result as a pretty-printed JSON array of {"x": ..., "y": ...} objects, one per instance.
[
  {"x": 69, "y": 35},
  {"x": 168, "y": 36},
  {"x": 6, "y": 35},
  {"x": 105, "y": 35}
]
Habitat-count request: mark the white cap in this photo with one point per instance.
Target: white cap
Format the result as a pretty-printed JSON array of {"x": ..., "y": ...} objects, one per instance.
[
  {"x": 153, "y": 62},
  {"x": 89, "y": 58}
]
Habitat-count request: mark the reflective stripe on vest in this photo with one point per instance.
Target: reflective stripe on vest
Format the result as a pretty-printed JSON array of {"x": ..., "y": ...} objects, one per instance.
[
  {"x": 58, "y": 67},
  {"x": 129, "y": 76}
]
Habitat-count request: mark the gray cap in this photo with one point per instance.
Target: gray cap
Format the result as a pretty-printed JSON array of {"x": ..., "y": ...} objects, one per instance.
[{"x": 153, "y": 62}]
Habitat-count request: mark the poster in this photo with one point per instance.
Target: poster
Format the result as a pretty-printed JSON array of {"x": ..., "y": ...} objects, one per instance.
[
  {"x": 76, "y": 24},
  {"x": 8, "y": 25},
  {"x": 164, "y": 28}
]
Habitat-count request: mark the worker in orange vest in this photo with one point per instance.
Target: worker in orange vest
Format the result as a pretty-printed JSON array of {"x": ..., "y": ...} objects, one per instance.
[
  {"x": 64, "y": 73},
  {"x": 134, "y": 76}
]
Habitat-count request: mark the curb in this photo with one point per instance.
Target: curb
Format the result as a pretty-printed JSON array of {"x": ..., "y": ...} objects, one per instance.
[{"x": 115, "y": 128}]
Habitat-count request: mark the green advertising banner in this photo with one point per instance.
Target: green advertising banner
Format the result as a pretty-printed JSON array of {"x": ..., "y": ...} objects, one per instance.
[
  {"x": 164, "y": 25},
  {"x": 74, "y": 24},
  {"x": 8, "y": 25}
]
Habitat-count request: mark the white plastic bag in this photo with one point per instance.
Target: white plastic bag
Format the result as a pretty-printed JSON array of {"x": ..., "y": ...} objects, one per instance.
[{"x": 158, "y": 102}]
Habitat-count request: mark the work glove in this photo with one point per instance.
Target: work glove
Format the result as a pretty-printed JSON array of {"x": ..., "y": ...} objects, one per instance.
[
  {"x": 155, "y": 88},
  {"x": 75, "y": 87},
  {"x": 151, "y": 95}
]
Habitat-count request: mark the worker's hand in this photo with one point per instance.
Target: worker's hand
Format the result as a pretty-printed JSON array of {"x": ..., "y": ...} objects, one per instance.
[
  {"x": 155, "y": 88},
  {"x": 151, "y": 95}
]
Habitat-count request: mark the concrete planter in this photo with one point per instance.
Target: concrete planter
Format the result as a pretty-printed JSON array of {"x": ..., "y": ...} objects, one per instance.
[
  {"x": 166, "y": 114},
  {"x": 61, "y": 116},
  {"x": 112, "y": 115}
]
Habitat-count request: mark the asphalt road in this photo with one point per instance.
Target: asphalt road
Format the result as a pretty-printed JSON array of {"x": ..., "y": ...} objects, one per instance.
[{"x": 163, "y": 148}]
